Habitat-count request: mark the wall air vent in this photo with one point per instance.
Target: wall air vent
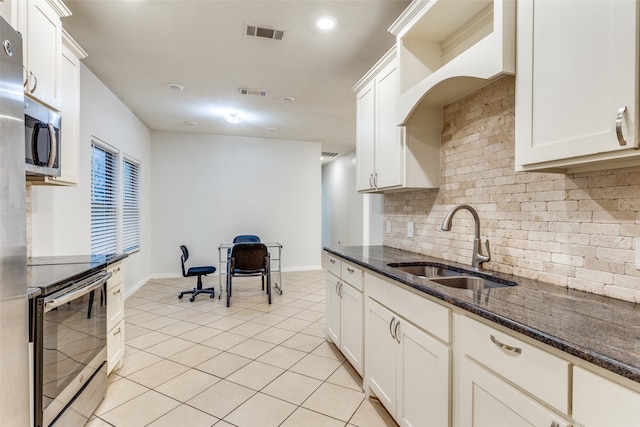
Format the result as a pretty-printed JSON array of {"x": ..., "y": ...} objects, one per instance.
[
  {"x": 253, "y": 92},
  {"x": 265, "y": 32},
  {"x": 328, "y": 154}
]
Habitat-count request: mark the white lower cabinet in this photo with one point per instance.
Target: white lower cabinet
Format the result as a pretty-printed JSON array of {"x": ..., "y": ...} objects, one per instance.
[
  {"x": 485, "y": 400},
  {"x": 344, "y": 310},
  {"x": 504, "y": 381},
  {"x": 405, "y": 367},
  {"x": 115, "y": 317},
  {"x": 598, "y": 401}
]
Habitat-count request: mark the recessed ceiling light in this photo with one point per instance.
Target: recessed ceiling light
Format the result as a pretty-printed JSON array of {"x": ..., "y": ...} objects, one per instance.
[
  {"x": 272, "y": 130},
  {"x": 326, "y": 22},
  {"x": 191, "y": 123},
  {"x": 233, "y": 117},
  {"x": 174, "y": 86},
  {"x": 287, "y": 98}
]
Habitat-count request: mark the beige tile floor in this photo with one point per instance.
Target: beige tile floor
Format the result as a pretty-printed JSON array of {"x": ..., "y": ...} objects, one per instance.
[{"x": 252, "y": 364}]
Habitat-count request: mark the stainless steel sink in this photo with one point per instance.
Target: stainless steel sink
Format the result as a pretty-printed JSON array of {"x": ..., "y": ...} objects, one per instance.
[
  {"x": 451, "y": 276},
  {"x": 426, "y": 269},
  {"x": 469, "y": 282}
]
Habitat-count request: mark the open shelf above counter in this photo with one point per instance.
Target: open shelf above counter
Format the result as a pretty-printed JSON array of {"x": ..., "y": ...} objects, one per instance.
[{"x": 449, "y": 48}]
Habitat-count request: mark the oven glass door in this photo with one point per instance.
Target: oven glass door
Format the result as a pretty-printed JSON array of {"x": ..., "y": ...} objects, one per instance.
[{"x": 73, "y": 334}]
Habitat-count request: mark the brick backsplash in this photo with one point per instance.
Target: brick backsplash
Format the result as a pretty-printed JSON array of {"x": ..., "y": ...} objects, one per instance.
[{"x": 574, "y": 230}]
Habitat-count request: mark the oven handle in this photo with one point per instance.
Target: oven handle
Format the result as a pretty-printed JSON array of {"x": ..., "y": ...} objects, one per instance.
[{"x": 77, "y": 290}]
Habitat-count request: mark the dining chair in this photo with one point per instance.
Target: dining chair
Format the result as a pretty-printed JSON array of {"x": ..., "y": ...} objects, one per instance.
[{"x": 249, "y": 259}]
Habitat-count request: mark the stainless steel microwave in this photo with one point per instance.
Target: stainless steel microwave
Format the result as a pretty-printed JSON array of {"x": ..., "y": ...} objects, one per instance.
[{"x": 41, "y": 139}]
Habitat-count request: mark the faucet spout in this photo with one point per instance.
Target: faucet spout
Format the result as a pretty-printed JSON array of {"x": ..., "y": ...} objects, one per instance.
[{"x": 477, "y": 257}]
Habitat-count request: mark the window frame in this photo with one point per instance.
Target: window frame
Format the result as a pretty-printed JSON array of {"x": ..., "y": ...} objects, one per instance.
[
  {"x": 128, "y": 207},
  {"x": 107, "y": 240}
]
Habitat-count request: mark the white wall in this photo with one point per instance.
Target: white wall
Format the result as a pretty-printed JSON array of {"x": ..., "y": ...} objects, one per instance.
[
  {"x": 61, "y": 216},
  {"x": 208, "y": 188},
  {"x": 348, "y": 217}
]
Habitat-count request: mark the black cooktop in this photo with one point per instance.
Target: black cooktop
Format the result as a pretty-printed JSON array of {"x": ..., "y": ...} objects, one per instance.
[{"x": 54, "y": 272}]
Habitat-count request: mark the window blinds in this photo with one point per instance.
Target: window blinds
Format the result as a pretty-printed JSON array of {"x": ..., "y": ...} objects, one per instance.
[
  {"x": 104, "y": 201},
  {"x": 130, "y": 206}
]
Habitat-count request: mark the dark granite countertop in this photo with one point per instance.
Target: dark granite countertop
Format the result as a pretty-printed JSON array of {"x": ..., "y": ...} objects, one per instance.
[
  {"x": 48, "y": 274},
  {"x": 595, "y": 328}
]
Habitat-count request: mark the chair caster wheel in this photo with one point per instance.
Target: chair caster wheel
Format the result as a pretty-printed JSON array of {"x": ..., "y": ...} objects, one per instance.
[
  {"x": 192, "y": 299},
  {"x": 180, "y": 296}
]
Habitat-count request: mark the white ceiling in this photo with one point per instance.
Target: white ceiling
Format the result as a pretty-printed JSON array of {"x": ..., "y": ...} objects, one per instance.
[{"x": 136, "y": 47}]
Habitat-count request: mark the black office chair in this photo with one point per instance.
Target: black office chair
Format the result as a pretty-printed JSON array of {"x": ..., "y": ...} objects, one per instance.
[
  {"x": 195, "y": 271},
  {"x": 246, "y": 238},
  {"x": 249, "y": 259}
]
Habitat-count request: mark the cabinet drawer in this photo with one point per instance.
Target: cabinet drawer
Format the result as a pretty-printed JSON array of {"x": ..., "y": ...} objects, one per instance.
[
  {"x": 115, "y": 346},
  {"x": 422, "y": 312},
  {"x": 117, "y": 273},
  {"x": 530, "y": 368},
  {"x": 115, "y": 303},
  {"x": 352, "y": 275},
  {"x": 334, "y": 265},
  {"x": 598, "y": 401}
]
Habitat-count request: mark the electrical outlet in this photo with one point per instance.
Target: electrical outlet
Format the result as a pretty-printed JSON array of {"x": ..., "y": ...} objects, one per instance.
[
  {"x": 388, "y": 226},
  {"x": 410, "y": 229},
  {"x": 637, "y": 253}
]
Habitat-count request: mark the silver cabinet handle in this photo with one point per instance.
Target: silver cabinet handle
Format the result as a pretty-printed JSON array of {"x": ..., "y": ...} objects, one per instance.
[
  {"x": 619, "y": 119},
  {"x": 506, "y": 347},
  {"x": 371, "y": 180},
  {"x": 350, "y": 270},
  {"x": 393, "y": 320},
  {"x": 332, "y": 261},
  {"x": 555, "y": 424},
  {"x": 375, "y": 180},
  {"x": 116, "y": 270},
  {"x": 337, "y": 291},
  {"x": 116, "y": 292},
  {"x": 116, "y": 332},
  {"x": 395, "y": 331},
  {"x": 35, "y": 84},
  {"x": 340, "y": 290}
]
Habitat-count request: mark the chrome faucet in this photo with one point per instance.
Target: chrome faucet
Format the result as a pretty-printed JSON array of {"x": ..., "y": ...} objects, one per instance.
[{"x": 477, "y": 256}]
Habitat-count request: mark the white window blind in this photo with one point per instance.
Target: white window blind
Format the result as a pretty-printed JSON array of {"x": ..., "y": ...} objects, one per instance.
[
  {"x": 104, "y": 201},
  {"x": 130, "y": 206}
]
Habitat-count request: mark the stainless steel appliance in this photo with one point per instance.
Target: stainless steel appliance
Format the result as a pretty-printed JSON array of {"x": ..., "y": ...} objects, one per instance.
[
  {"x": 70, "y": 344},
  {"x": 41, "y": 139},
  {"x": 14, "y": 341}
]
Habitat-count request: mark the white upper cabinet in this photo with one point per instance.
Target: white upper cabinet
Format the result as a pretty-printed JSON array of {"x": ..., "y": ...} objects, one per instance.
[
  {"x": 41, "y": 27},
  {"x": 391, "y": 157},
  {"x": 449, "y": 48},
  {"x": 577, "y": 84}
]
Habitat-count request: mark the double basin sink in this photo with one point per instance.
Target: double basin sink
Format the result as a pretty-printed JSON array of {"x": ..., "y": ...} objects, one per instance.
[{"x": 452, "y": 277}]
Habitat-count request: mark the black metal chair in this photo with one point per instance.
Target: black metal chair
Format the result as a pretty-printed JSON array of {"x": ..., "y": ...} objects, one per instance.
[
  {"x": 249, "y": 259},
  {"x": 195, "y": 271}
]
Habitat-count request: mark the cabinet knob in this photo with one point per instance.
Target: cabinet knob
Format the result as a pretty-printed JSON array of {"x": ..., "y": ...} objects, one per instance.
[{"x": 619, "y": 122}]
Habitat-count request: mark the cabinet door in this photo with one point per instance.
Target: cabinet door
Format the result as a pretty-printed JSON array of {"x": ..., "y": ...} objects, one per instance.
[
  {"x": 70, "y": 101},
  {"x": 43, "y": 43},
  {"x": 333, "y": 309},
  {"x": 487, "y": 401},
  {"x": 423, "y": 378},
  {"x": 389, "y": 166},
  {"x": 600, "y": 402},
  {"x": 365, "y": 137},
  {"x": 351, "y": 326},
  {"x": 577, "y": 68},
  {"x": 381, "y": 359}
]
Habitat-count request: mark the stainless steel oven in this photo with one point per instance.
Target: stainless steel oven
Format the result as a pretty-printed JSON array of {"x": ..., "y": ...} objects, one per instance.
[{"x": 70, "y": 338}]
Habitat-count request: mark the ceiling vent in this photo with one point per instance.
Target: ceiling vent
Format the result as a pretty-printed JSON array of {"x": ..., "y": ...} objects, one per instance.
[
  {"x": 265, "y": 32},
  {"x": 253, "y": 92},
  {"x": 328, "y": 154}
]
